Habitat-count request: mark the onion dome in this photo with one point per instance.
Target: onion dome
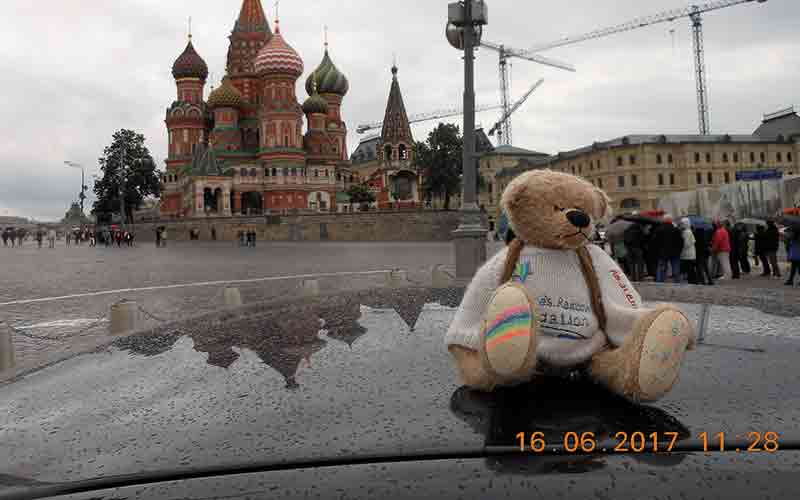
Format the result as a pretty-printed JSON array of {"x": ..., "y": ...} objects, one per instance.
[
  {"x": 190, "y": 64},
  {"x": 315, "y": 104},
  {"x": 225, "y": 96},
  {"x": 329, "y": 79},
  {"x": 277, "y": 56}
]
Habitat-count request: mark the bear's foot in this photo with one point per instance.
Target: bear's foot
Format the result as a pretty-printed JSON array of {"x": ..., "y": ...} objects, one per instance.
[
  {"x": 509, "y": 334},
  {"x": 647, "y": 365}
]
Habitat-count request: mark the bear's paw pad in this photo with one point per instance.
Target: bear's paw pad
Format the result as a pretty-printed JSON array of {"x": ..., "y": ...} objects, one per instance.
[{"x": 662, "y": 352}]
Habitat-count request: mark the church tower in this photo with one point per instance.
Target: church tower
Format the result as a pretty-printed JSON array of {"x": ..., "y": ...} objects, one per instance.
[
  {"x": 281, "y": 117},
  {"x": 395, "y": 144},
  {"x": 333, "y": 86},
  {"x": 250, "y": 34}
]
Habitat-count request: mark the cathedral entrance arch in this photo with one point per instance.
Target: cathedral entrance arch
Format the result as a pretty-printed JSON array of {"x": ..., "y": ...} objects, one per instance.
[
  {"x": 252, "y": 203},
  {"x": 404, "y": 186}
]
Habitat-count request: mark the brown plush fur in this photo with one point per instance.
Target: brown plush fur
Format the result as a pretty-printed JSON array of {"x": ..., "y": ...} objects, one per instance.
[{"x": 537, "y": 203}]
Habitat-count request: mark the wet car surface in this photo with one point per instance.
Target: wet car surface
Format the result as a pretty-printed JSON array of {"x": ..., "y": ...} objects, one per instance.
[{"x": 340, "y": 396}]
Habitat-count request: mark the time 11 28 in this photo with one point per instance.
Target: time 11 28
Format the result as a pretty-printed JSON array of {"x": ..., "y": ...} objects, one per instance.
[{"x": 757, "y": 441}]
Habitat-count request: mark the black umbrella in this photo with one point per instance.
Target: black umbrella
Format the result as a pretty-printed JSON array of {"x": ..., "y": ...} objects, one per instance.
[{"x": 791, "y": 221}]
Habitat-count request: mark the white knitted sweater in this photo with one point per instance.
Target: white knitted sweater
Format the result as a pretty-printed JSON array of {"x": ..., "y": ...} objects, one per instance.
[{"x": 569, "y": 329}]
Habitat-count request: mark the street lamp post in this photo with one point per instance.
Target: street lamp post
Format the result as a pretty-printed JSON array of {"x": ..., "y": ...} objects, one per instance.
[
  {"x": 82, "y": 195},
  {"x": 465, "y": 21}
]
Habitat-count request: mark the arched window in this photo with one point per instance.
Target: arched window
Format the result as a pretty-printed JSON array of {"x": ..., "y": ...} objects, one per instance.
[
  {"x": 326, "y": 172},
  {"x": 286, "y": 141},
  {"x": 402, "y": 152},
  {"x": 316, "y": 173},
  {"x": 387, "y": 152},
  {"x": 253, "y": 173},
  {"x": 274, "y": 172}
]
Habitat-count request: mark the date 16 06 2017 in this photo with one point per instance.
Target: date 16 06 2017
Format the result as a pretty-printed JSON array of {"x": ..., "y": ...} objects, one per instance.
[{"x": 642, "y": 442}]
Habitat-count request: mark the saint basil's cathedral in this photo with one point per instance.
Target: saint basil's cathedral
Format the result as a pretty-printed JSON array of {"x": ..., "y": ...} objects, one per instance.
[{"x": 244, "y": 151}]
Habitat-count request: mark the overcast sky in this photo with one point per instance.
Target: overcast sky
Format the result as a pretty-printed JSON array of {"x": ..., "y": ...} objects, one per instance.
[{"x": 75, "y": 72}]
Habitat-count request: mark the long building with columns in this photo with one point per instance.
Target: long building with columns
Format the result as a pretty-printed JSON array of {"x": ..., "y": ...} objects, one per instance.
[
  {"x": 244, "y": 150},
  {"x": 637, "y": 170}
]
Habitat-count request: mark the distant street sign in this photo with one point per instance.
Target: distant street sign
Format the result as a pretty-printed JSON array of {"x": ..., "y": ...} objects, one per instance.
[{"x": 758, "y": 175}]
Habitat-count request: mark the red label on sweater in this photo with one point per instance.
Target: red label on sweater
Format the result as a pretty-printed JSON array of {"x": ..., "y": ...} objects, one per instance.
[{"x": 622, "y": 283}]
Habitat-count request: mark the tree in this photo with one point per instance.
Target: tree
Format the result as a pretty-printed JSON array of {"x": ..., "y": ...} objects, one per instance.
[
  {"x": 126, "y": 163},
  {"x": 360, "y": 195},
  {"x": 439, "y": 157}
]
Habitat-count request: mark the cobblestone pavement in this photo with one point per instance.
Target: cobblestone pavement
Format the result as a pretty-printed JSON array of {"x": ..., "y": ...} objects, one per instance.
[{"x": 44, "y": 331}]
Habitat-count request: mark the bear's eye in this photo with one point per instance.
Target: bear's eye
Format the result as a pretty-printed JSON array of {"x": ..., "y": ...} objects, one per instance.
[{"x": 556, "y": 208}]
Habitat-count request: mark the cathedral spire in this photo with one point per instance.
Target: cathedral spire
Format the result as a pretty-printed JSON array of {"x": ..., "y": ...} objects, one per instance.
[
  {"x": 396, "y": 128},
  {"x": 252, "y": 17}
]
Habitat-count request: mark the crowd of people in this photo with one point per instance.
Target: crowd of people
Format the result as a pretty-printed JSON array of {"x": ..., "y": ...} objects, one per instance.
[
  {"x": 78, "y": 236},
  {"x": 699, "y": 253}
]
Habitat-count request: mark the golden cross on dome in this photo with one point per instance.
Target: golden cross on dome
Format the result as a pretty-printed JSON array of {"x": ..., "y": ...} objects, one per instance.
[
  {"x": 277, "y": 16},
  {"x": 326, "y": 37},
  {"x": 190, "y": 27}
]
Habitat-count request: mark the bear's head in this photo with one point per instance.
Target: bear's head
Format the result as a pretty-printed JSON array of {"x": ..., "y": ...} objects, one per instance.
[{"x": 554, "y": 210}]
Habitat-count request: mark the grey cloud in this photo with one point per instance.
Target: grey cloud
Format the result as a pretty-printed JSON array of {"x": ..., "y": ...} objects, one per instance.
[{"x": 72, "y": 74}]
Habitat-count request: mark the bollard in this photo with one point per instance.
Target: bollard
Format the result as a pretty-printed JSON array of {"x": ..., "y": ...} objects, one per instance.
[
  {"x": 7, "y": 358},
  {"x": 233, "y": 298},
  {"x": 396, "y": 278},
  {"x": 441, "y": 279},
  {"x": 124, "y": 316},
  {"x": 311, "y": 288}
]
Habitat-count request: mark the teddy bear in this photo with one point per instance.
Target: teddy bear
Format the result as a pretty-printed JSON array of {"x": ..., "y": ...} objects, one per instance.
[{"x": 551, "y": 302}]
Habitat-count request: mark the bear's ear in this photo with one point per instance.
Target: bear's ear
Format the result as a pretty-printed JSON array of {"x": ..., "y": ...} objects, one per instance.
[{"x": 603, "y": 209}]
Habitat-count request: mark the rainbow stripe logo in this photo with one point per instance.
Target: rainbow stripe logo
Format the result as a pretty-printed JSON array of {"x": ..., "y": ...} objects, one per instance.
[{"x": 509, "y": 324}]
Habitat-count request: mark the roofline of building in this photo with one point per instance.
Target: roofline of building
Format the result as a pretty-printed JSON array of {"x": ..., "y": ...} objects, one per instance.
[{"x": 641, "y": 140}]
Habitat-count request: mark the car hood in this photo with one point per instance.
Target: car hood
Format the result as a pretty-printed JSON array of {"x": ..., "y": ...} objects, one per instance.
[{"x": 363, "y": 375}]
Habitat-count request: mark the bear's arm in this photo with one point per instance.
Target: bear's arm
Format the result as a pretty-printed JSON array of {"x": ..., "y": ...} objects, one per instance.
[
  {"x": 464, "y": 331},
  {"x": 622, "y": 302}
]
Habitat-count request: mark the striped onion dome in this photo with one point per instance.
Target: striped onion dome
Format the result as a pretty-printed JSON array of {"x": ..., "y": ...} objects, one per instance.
[
  {"x": 225, "y": 96},
  {"x": 277, "y": 56},
  {"x": 329, "y": 79}
]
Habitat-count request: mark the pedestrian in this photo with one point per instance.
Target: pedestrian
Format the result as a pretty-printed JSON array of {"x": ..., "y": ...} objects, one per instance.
[
  {"x": 761, "y": 236},
  {"x": 733, "y": 256},
  {"x": 721, "y": 251},
  {"x": 633, "y": 237},
  {"x": 163, "y": 236},
  {"x": 668, "y": 242},
  {"x": 743, "y": 247},
  {"x": 39, "y": 236},
  {"x": 689, "y": 253},
  {"x": 793, "y": 237},
  {"x": 51, "y": 238},
  {"x": 158, "y": 237},
  {"x": 702, "y": 248},
  {"x": 772, "y": 241},
  {"x": 5, "y": 237}
]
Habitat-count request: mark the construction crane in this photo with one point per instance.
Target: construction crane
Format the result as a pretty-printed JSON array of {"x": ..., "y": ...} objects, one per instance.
[
  {"x": 506, "y": 53},
  {"x": 431, "y": 115},
  {"x": 693, "y": 12},
  {"x": 502, "y": 124}
]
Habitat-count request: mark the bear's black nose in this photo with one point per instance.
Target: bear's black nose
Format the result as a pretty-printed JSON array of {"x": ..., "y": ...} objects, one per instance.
[{"x": 578, "y": 219}]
